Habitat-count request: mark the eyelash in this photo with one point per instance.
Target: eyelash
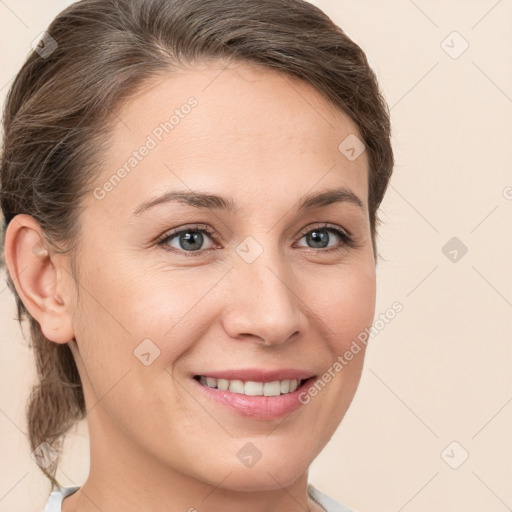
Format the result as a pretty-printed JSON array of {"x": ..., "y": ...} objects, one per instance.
[{"x": 346, "y": 239}]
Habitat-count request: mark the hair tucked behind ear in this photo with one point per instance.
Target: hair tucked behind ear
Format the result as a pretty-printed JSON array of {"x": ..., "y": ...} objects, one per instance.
[{"x": 63, "y": 101}]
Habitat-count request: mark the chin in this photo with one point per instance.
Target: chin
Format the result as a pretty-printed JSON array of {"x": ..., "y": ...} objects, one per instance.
[
  {"x": 264, "y": 479},
  {"x": 265, "y": 475}
]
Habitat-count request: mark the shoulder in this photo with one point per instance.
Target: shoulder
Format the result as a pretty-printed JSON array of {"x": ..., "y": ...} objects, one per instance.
[
  {"x": 54, "y": 502},
  {"x": 329, "y": 504}
]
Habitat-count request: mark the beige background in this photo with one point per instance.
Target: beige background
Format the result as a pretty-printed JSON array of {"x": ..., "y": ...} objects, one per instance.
[{"x": 440, "y": 371}]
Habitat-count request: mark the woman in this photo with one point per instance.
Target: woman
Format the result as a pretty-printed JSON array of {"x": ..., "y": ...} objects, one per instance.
[{"x": 190, "y": 192}]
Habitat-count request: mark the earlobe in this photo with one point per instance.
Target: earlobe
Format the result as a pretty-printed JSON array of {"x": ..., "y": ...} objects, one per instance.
[{"x": 36, "y": 275}]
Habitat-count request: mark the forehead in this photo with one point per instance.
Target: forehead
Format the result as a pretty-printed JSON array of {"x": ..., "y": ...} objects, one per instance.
[{"x": 236, "y": 128}]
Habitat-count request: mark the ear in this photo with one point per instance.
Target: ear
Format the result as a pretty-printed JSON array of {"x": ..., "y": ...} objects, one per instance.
[{"x": 36, "y": 274}]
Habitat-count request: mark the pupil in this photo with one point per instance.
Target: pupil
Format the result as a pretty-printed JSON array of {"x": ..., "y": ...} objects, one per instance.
[
  {"x": 196, "y": 237},
  {"x": 319, "y": 237}
]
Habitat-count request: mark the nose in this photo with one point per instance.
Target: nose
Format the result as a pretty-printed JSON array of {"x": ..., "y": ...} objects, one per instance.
[{"x": 264, "y": 303}]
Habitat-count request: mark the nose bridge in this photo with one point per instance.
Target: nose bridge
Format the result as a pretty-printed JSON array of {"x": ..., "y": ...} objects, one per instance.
[{"x": 265, "y": 303}]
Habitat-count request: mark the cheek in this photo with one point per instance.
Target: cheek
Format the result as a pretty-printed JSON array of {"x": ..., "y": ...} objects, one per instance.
[
  {"x": 136, "y": 304},
  {"x": 346, "y": 303}
]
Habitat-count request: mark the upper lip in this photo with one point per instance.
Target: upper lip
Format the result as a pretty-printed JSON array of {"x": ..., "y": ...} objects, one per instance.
[{"x": 260, "y": 374}]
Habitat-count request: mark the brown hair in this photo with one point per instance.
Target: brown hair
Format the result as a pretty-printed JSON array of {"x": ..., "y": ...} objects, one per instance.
[{"x": 62, "y": 104}]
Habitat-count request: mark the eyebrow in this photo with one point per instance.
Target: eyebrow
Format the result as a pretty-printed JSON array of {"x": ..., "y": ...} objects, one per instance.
[{"x": 216, "y": 202}]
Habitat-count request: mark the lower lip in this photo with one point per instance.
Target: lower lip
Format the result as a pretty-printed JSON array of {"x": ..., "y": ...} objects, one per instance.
[{"x": 259, "y": 407}]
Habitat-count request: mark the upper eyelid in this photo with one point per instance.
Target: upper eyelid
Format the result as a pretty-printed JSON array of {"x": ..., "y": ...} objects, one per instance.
[
  {"x": 326, "y": 226},
  {"x": 209, "y": 230}
]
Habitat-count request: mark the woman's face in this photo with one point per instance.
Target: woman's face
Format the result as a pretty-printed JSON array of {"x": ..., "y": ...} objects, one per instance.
[{"x": 258, "y": 292}]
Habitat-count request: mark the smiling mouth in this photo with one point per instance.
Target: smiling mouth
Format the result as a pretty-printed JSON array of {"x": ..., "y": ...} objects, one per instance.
[{"x": 252, "y": 388}]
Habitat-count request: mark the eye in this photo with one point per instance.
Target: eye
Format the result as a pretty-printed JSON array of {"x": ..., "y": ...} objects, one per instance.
[
  {"x": 319, "y": 237},
  {"x": 187, "y": 240}
]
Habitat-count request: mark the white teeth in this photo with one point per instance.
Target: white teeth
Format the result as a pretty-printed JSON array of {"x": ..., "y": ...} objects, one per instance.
[
  {"x": 251, "y": 388},
  {"x": 222, "y": 384},
  {"x": 236, "y": 386},
  {"x": 272, "y": 388}
]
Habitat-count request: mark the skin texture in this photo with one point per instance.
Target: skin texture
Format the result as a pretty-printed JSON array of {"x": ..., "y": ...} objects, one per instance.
[{"x": 264, "y": 140}]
